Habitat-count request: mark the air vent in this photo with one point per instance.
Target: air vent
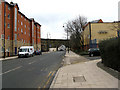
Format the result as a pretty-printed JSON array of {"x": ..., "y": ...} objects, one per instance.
[{"x": 79, "y": 79}]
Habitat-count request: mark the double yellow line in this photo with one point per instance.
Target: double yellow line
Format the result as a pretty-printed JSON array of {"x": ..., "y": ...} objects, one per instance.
[{"x": 50, "y": 75}]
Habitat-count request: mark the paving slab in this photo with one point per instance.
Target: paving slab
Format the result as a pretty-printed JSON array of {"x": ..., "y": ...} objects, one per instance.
[{"x": 87, "y": 74}]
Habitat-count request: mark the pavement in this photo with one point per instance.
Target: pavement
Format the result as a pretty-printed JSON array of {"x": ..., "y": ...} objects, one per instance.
[
  {"x": 79, "y": 72},
  {"x": 8, "y": 58}
]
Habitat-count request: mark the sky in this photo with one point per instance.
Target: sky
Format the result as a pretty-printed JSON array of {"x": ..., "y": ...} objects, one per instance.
[{"x": 53, "y": 14}]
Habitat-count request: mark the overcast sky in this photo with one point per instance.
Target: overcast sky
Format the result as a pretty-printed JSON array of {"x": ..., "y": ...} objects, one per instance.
[{"x": 52, "y": 14}]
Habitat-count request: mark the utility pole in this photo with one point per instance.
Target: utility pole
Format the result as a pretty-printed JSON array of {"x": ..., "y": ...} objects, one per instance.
[
  {"x": 67, "y": 39},
  {"x": 48, "y": 34}
]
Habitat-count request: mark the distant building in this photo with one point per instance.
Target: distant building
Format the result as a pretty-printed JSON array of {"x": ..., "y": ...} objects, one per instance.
[
  {"x": 53, "y": 43},
  {"x": 97, "y": 31},
  {"x": 17, "y": 30}
]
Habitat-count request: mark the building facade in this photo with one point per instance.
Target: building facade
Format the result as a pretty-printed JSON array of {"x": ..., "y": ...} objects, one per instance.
[
  {"x": 0, "y": 25},
  {"x": 17, "y": 30},
  {"x": 97, "y": 31}
]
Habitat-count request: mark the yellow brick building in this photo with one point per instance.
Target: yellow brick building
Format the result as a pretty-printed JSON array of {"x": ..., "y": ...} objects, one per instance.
[{"x": 97, "y": 31}]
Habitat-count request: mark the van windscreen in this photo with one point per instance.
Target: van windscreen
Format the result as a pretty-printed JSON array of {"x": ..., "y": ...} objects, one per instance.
[{"x": 24, "y": 50}]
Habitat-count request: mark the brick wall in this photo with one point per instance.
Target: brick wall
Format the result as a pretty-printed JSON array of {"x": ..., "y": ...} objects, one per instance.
[{"x": 18, "y": 29}]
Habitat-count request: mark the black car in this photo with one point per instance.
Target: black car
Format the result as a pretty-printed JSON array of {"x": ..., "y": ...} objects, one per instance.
[
  {"x": 94, "y": 52},
  {"x": 38, "y": 52}
]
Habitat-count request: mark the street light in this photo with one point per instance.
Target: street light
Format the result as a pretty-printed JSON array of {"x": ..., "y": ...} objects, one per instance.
[
  {"x": 67, "y": 38},
  {"x": 48, "y": 34}
]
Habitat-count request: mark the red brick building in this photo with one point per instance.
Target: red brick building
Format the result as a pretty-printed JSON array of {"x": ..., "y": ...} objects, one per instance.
[{"x": 17, "y": 29}]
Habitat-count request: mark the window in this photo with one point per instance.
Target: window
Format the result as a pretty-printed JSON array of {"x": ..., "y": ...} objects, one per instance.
[
  {"x": 18, "y": 29},
  {"x": 38, "y": 27},
  {"x": 8, "y": 16},
  {"x": 8, "y": 25},
  {"x": 15, "y": 19},
  {"x": 24, "y": 41},
  {"x": 33, "y": 41},
  {"x": 15, "y": 37},
  {"x": 21, "y": 31},
  {"x": 2, "y": 36},
  {"x": 2, "y": 49},
  {"x": 21, "y": 16},
  {"x": 8, "y": 37},
  {"x": 102, "y": 32},
  {"x": 8, "y": 7},
  {"x": 18, "y": 20},
  {"x": 21, "y": 23},
  {"x": 25, "y": 32},
  {"x": 25, "y": 26}
]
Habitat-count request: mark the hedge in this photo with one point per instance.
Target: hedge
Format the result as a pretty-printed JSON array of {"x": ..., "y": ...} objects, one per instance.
[{"x": 110, "y": 53}]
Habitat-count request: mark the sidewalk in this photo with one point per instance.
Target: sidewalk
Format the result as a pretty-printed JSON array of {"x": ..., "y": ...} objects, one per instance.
[
  {"x": 7, "y": 58},
  {"x": 84, "y": 74}
]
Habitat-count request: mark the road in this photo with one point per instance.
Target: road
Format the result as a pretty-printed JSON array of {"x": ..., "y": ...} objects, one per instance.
[{"x": 33, "y": 72}]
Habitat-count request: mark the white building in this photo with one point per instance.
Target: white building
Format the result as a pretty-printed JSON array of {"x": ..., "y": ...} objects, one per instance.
[{"x": 119, "y": 11}]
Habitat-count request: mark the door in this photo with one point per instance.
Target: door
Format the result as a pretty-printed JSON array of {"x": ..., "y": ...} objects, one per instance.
[{"x": 15, "y": 50}]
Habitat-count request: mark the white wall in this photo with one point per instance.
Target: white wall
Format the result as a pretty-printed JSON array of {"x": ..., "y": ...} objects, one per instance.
[
  {"x": 52, "y": 49},
  {"x": 119, "y": 11}
]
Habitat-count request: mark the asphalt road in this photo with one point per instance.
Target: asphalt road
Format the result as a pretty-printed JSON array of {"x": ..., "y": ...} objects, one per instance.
[{"x": 33, "y": 72}]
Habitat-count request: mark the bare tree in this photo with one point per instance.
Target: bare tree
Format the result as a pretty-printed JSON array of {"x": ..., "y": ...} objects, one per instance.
[
  {"x": 75, "y": 28},
  {"x": 116, "y": 27}
]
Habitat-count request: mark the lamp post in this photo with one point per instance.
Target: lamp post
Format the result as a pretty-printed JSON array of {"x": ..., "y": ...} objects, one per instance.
[
  {"x": 67, "y": 39},
  {"x": 48, "y": 34}
]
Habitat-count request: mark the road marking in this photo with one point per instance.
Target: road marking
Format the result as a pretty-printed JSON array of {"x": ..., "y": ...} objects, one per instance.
[
  {"x": 32, "y": 62},
  {"x": 11, "y": 70},
  {"x": 49, "y": 74},
  {"x": 49, "y": 79}
]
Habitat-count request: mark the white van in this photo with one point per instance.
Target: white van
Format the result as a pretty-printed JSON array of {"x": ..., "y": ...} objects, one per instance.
[{"x": 26, "y": 51}]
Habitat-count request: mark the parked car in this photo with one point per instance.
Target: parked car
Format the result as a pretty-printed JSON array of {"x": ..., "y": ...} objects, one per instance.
[
  {"x": 38, "y": 52},
  {"x": 26, "y": 51},
  {"x": 94, "y": 52}
]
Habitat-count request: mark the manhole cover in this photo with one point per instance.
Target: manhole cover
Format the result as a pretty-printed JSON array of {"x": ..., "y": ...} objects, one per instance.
[{"x": 79, "y": 79}]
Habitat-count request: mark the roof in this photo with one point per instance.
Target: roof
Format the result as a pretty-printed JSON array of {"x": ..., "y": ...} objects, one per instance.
[
  {"x": 97, "y": 21},
  {"x": 94, "y": 21}
]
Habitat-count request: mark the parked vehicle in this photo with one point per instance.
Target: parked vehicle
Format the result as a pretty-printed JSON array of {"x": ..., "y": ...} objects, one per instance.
[
  {"x": 94, "y": 52},
  {"x": 26, "y": 51},
  {"x": 38, "y": 52},
  {"x": 62, "y": 48}
]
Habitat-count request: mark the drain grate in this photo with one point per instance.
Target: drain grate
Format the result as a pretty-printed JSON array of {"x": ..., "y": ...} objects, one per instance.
[{"x": 79, "y": 79}]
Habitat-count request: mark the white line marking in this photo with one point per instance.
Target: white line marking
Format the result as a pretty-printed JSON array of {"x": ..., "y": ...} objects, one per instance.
[
  {"x": 11, "y": 70},
  {"x": 31, "y": 62}
]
